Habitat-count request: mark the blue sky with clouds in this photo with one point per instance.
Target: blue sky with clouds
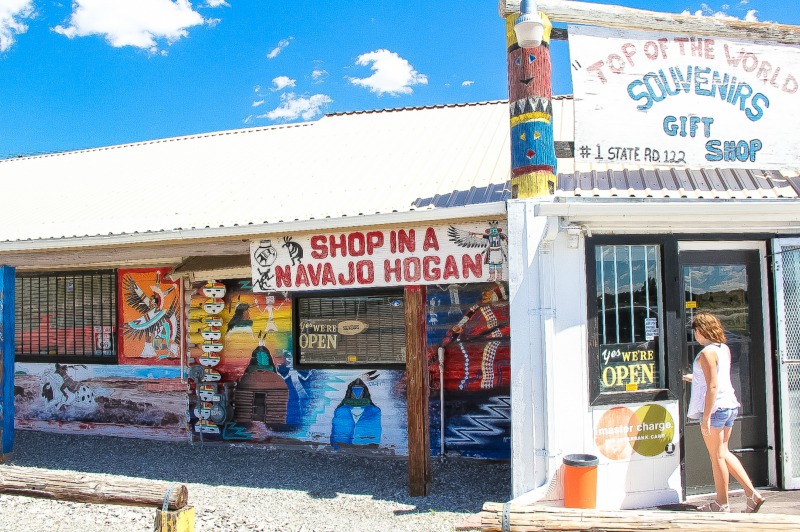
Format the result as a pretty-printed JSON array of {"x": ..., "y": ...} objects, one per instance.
[{"x": 91, "y": 73}]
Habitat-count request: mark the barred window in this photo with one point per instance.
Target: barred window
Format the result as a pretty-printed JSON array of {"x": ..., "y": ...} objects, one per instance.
[
  {"x": 351, "y": 329},
  {"x": 66, "y": 316},
  {"x": 630, "y": 357}
]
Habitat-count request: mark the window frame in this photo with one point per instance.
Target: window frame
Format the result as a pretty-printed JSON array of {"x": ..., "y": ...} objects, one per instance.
[
  {"x": 371, "y": 292},
  {"x": 113, "y": 307},
  {"x": 668, "y": 253}
]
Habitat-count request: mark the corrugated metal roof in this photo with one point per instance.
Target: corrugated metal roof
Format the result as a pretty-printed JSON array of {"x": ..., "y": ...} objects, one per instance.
[
  {"x": 341, "y": 165},
  {"x": 680, "y": 183}
]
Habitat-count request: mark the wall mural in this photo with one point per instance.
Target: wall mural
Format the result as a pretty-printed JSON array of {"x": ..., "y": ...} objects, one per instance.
[
  {"x": 471, "y": 323},
  {"x": 249, "y": 390},
  {"x": 149, "y": 308},
  {"x": 133, "y": 401}
]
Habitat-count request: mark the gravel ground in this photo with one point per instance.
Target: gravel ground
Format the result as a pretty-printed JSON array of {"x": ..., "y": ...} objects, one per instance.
[{"x": 247, "y": 487}]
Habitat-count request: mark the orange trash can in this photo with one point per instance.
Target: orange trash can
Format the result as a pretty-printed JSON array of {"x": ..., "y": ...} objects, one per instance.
[{"x": 580, "y": 481}]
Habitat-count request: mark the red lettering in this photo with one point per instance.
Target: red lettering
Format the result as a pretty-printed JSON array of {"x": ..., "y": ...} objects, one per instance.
[
  {"x": 450, "y": 268},
  {"x": 393, "y": 242},
  {"x": 629, "y": 50},
  {"x": 596, "y": 68},
  {"x": 351, "y": 271},
  {"x": 406, "y": 241},
  {"x": 283, "y": 277},
  {"x": 475, "y": 267},
  {"x": 355, "y": 241},
  {"x": 411, "y": 269},
  {"x": 430, "y": 240},
  {"x": 341, "y": 245},
  {"x": 388, "y": 270},
  {"x": 301, "y": 278},
  {"x": 374, "y": 240},
  {"x": 319, "y": 247},
  {"x": 364, "y": 272},
  {"x": 428, "y": 272},
  {"x": 327, "y": 274},
  {"x": 314, "y": 274}
]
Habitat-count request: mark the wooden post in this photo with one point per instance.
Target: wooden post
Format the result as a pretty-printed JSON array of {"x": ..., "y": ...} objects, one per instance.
[
  {"x": 498, "y": 516},
  {"x": 84, "y": 487},
  {"x": 417, "y": 393},
  {"x": 613, "y": 16},
  {"x": 175, "y": 521},
  {"x": 7, "y": 278}
]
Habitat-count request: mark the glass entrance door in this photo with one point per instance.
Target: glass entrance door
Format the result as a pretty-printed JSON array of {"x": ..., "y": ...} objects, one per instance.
[{"x": 727, "y": 284}]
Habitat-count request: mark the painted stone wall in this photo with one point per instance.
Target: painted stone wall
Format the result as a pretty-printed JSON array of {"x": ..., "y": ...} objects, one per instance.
[
  {"x": 470, "y": 322},
  {"x": 112, "y": 400},
  {"x": 272, "y": 401},
  {"x": 142, "y": 396}
]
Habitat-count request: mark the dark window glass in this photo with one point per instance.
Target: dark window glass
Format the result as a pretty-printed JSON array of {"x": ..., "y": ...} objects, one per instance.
[
  {"x": 351, "y": 330},
  {"x": 629, "y": 318},
  {"x": 66, "y": 316}
]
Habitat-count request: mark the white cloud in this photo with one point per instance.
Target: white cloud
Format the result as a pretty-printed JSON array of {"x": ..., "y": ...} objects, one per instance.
[
  {"x": 278, "y": 49},
  {"x": 12, "y": 12},
  {"x": 467, "y": 83},
  {"x": 281, "y": 82},
  {"x": 248, "y": 119},
  {"x": 138, "y": 23},
  {"x": 293, "y": 107},
  {"x": 217, "y": 3},
  {"x": 706, "y": 11},
  {"x": 319, "y": 75},
  {"x": 391, "y": 73},
  {"x": 258, "y": 103}
]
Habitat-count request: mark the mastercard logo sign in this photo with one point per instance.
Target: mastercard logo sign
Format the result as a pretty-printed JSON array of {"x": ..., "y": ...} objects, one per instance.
[{"x": 647, "y": 431}]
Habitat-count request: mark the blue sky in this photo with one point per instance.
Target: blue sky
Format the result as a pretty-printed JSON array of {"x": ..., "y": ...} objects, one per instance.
[{"x": 91, "y": 73}]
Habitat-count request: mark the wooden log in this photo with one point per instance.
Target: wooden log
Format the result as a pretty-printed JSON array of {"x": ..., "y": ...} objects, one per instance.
[
  {"x": 175, "y": 521},
  {"x": 417, "y": 392},
  {"x": 85, "y": 487},
  {"x": 612, "y": 16},
  {"x": 535, "y": 518}
]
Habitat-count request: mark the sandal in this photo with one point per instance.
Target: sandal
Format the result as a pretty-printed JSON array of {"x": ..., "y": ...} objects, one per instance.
[
  {"x": 714, "y": 506},
  {"x": 754, "y": 502}
]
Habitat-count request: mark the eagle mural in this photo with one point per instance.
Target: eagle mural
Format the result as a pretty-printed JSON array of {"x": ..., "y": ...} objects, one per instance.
[{"x": 156, "y": 326}]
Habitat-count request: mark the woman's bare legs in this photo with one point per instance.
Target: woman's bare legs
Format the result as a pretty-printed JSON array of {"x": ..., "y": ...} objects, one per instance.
[
  {"x": 735, "y": 466},
  {"x": 717, "y": 447}
]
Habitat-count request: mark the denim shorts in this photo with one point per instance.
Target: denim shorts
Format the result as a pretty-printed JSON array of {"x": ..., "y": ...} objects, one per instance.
[{"x": 724, "y": 417}]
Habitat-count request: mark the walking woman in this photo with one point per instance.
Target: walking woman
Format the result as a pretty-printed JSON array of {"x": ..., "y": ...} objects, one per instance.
[{"x": 714, "y": 403}]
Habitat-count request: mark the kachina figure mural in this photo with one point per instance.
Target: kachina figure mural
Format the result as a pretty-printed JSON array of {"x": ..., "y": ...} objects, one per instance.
[
  {"x": 357, "y": 420},
  {"x": 150, "y": 328},
  {"x": 493, "y": 242}
]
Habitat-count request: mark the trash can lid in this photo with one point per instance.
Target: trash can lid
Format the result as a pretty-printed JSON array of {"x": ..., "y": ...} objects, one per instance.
[{"x": 581, "y": 460}]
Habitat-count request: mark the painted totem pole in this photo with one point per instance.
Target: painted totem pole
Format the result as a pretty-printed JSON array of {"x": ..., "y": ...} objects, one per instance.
[
  {"x": 530, "y": 91},
  {"x": 213, "y": 408}
]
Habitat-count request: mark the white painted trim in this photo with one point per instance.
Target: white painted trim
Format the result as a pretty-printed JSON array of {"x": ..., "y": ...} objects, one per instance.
[
  {"x": 530, "y": 298},
  {"x": 482, "y": 210},
  {"x": 690, "y": 217}
]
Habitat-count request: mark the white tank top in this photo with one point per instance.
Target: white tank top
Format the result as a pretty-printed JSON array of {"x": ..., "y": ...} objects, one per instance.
[{"x": 726, "y": 396}]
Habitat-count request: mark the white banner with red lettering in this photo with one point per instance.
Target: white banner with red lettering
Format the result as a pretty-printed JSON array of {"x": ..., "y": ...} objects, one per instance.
[{"x": 418, "y": 255}]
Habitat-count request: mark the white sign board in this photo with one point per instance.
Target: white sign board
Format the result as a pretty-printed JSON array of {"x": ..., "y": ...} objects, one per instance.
[
  {"x": 363, "y": 258},
  {"x": 672, "y": 100}
]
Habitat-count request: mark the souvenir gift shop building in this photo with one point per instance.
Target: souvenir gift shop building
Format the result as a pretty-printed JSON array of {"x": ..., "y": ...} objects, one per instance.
[{"x": 684, "y": 197}]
